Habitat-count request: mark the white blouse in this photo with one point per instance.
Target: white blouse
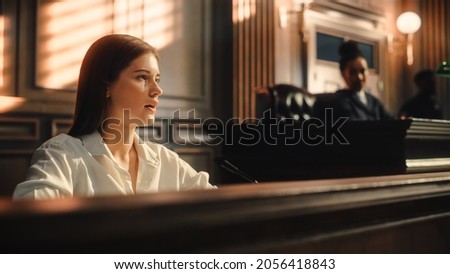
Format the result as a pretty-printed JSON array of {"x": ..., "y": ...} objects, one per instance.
[{"x": 66, "y": 166}]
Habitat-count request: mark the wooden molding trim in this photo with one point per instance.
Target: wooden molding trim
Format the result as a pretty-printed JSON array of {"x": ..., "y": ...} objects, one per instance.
[{"x": 19, "y": 129}]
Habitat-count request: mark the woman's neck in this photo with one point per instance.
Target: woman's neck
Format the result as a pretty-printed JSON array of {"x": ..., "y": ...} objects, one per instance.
[
  {"x": 119, "y": 139},
  {"x": 124, "y": 152}
]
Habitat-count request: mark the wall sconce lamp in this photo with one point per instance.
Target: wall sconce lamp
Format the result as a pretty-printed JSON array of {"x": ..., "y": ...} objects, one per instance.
[
  {"x": 443, "y": 69},
  {"x": 407, "y": 23},
  {"x": 284, "y": 13}
]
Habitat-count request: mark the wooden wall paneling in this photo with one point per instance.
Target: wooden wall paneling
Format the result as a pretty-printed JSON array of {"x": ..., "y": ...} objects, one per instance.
[{"x": 19, "y": 129}]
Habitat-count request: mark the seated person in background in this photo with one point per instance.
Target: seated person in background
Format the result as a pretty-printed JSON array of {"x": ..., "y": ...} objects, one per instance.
[
  {"x": 423, "y": 104},
  {"x": 118, "y": 90},
  {"x": 353, "y": 101}
]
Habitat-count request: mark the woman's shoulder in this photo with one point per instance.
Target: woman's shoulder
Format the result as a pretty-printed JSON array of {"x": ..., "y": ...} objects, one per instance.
[
  {"x": 62, "y": 140},
  {"x": 61, "y": 145}
]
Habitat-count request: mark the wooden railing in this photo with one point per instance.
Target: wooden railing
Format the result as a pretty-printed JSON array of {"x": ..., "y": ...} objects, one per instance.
[{"x": 386, "y": 214}]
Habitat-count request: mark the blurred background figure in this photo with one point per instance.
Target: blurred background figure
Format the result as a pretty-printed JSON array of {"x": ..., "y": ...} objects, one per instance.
[
  {"x": 424, "y": 103},
  {"x": 353, "y": 102}
]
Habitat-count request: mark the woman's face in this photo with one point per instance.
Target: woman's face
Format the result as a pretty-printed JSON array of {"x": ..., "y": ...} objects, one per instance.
[
  {"x": 133, "y": 97},
  {"x": 355, "y": 74}
]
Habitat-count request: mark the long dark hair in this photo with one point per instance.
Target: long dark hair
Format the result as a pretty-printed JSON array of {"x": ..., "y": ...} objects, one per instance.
[
  {"x": 348, "y": 51},
  {"x": 101, "y": 66}
]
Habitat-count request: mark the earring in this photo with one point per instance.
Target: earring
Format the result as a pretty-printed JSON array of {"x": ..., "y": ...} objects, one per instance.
[{"x": 107, "y": 94}]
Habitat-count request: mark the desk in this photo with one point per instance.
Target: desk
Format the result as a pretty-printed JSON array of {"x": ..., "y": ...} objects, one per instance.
[{"x": 373, "y": 148}]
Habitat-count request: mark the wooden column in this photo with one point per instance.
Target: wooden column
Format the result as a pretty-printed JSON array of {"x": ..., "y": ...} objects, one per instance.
[{"x": 253, "y": 52}]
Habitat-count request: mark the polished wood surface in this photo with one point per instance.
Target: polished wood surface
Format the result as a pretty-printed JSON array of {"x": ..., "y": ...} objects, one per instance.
[{"x": 385, "y": 214}]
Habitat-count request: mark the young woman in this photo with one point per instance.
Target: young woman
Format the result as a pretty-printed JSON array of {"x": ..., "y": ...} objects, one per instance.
[{"x": 118, "y": 90}]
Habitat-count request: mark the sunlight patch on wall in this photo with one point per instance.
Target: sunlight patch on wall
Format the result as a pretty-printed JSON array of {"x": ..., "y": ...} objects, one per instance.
[
  {"x": 66, "y": 29},
  {"x": 8, "y": 103},
  {"x": 152, "y": 20},
  {"x": 160, "y": 23},
  {"x": 2, "y": 42}
]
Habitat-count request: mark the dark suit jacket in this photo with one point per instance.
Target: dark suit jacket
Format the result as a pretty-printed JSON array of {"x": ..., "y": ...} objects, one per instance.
[{"x": 345, "y": 103}]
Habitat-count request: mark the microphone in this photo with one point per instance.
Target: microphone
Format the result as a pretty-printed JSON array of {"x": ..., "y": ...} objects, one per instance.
[{"x": 233, "y": 169}]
